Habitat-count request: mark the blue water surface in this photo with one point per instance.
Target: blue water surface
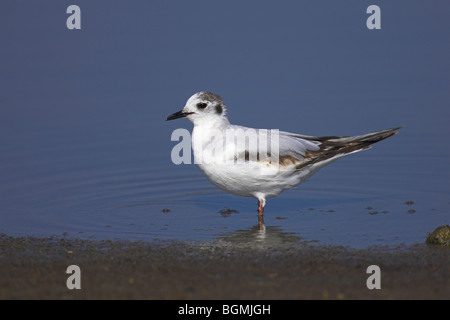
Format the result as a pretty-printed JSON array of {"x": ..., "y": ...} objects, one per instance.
[{"x": 85, "y": 148}]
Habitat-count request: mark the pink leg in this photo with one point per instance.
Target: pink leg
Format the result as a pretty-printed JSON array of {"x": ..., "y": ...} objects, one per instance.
[
  {"x": 260, "y": 214},
  {"x": 260, "y": 208}
]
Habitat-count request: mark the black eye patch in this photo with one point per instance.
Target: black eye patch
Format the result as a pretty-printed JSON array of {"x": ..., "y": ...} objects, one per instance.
[
  {"x": 201, "y": 105},
  {"x": 219, "y": 109}
]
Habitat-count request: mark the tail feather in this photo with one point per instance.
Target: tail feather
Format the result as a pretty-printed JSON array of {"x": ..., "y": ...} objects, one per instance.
[
  {"x": 372, "y": 137},
  {"x": 332, "y": 148}
]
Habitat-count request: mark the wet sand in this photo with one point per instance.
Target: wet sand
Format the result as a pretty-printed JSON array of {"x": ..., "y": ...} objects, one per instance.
[{"x": 35, "y": 268}]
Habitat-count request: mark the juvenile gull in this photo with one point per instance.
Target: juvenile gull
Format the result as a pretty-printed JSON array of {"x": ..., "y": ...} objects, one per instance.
[{"x": 245, "y": 169}]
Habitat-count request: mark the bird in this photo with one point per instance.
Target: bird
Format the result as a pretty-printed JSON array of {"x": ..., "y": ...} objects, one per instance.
[{"x": 237, "y": 159}]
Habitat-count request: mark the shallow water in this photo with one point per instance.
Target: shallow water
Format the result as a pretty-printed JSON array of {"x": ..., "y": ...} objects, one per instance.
[{"x": 85, "y": 150}]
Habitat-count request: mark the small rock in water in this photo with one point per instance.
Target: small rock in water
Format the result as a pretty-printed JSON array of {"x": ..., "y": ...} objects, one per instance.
[
  {"x": 227, "y": 212},
  {"x": 440, "y": 236}
]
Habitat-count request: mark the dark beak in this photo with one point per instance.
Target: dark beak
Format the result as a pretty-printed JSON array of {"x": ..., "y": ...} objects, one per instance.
[{"x": 179, "y": 114}]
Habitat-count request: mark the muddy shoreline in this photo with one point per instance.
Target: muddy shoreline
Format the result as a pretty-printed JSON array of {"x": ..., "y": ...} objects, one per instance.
[{"x": 35, "y": 268}]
